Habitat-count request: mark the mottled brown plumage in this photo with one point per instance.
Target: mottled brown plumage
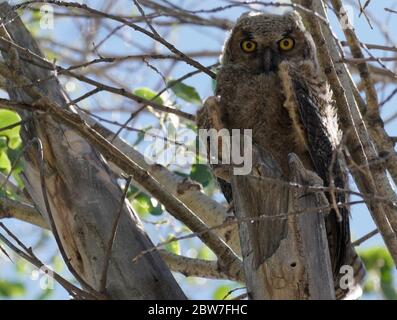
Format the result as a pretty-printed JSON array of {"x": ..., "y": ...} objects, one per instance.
[{"x": 281, "y": 96}]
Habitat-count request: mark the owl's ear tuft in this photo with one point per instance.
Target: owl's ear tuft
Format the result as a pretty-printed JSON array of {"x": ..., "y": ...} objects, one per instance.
[{"x": 294, "y": 16}]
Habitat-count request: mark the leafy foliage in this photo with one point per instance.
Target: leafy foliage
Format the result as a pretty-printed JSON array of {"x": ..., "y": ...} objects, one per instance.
[
  {"x": 9, "y": 138},
  {"x": 144, "y": 205},
  {"x": 11, "y": 289},
  {"x": 380, "y": 269},
  {"x": 202, "y": 174},
  {"x": 148, "y": 94},
  {"x": 174, "y": 246},
  {"x": 185, "y": 92},
  {"x": 222, "y": 292}
]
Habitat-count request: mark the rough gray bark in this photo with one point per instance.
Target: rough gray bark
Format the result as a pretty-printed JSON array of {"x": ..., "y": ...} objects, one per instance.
[
  {"x": 84, "y": 196},
  {"x": 285, "y": 252}
]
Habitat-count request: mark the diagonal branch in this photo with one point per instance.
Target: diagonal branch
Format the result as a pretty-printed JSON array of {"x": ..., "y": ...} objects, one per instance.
[
  {"x": 370, "y": 179},
  {"x": 372, "y": 116}
]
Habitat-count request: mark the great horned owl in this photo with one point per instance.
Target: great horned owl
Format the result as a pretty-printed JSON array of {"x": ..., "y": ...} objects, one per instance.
[{"x": 269, "y": 81}]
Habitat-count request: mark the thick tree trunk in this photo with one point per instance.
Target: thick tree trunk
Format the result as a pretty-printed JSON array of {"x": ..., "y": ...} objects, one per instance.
[
  {"x": 84, "y": 196},
  {"x": 283, "y": 238}
]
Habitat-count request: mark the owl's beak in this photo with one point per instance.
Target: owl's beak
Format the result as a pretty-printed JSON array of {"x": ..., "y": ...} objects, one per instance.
[{"x": 269, "y": 64}]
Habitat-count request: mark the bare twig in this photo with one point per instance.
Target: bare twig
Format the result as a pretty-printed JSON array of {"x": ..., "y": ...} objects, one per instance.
[
  {"x": 112, "y": 237},
  {"x": 41, "y": 62},
  {"x": 366, "y": 237},
  {"x": 29, "y": 256},
  {"x": 357, "y": 138},
  {"x": 127, "y": 23}
]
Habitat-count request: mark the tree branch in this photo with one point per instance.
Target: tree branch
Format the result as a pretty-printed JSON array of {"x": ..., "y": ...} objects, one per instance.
[
  {"x": 370, "y": 178},
  {"x": 82, "y": 192},
  {"x": 191, "y": 267},
  {"x": 25, "y": 212},
  {"x": 372, "y": 116}
]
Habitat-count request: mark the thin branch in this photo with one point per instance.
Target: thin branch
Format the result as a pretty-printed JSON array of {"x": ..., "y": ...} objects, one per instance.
[
  {"x": 367, "y": 59},
  {"x": 234, "y": 220},
  {"x": 365, "y": 238},
  {"x": 373, "y": 46},
  {"x": 29, "y": 256},
  {"x": 155, "y": 37},
  {"x": 41, "y": 62},
  {"x": 387, "y": 99},
  {"x": 390, "y": 10},
  {"x": 228, "y": 258},
  {"x": 108, "y": 252},
  {"x": 368, "y": 181}
]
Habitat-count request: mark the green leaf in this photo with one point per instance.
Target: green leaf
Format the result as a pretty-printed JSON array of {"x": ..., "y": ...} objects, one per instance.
[
  {"x": 144, "y": 205},
  {"x": 155, "y": 209},
  {"x": 185, "y": 92},
  {"x": 34, "y": 24},
  {"x": 173, "y": 246},
  {"x": 36, "y": 16},
  {"x": 58, "y": 264},
  {"x": 148, "y": 94},
  {"x": 5, "y": 164},
  {"x": 221, "y": 292},
  {"x": 3, "y": 143},
  {"x": 14, "y": 156},
  {"x": 141, "y": 204},
  {"x": 206, "y": 254},
  {"x": 11, "y": 289},
  {"x": 201, "y": 173},
  {"x": 8, "y": 118},
  {"x": 380, "y": 267},
  {"x": 21, "y": 266},
  {"x": 141, "y": 135},
  {"x": 50, "y": 55}
]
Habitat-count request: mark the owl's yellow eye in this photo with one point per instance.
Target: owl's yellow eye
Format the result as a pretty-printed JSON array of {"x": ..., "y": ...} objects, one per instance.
[
  {"x": 286, "y": 44},
  {"x": 248, "y": 46}
]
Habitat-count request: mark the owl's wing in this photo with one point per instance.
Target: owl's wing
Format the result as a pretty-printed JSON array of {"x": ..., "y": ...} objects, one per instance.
[
  {"x": 316, "y": 130},
  {"x": 321, "y": 152},
  {"x": 317, "y": 138}
]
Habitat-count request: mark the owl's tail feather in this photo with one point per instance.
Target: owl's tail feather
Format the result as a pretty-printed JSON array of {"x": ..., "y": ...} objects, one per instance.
[{"x": 346, "y": 286}]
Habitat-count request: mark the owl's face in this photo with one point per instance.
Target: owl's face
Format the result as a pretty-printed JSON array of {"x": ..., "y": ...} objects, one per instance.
[{"x": 260, "y": 42}]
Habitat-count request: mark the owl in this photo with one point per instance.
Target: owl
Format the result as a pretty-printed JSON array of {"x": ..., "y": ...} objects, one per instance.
[{"x": 270, "y": 82}]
